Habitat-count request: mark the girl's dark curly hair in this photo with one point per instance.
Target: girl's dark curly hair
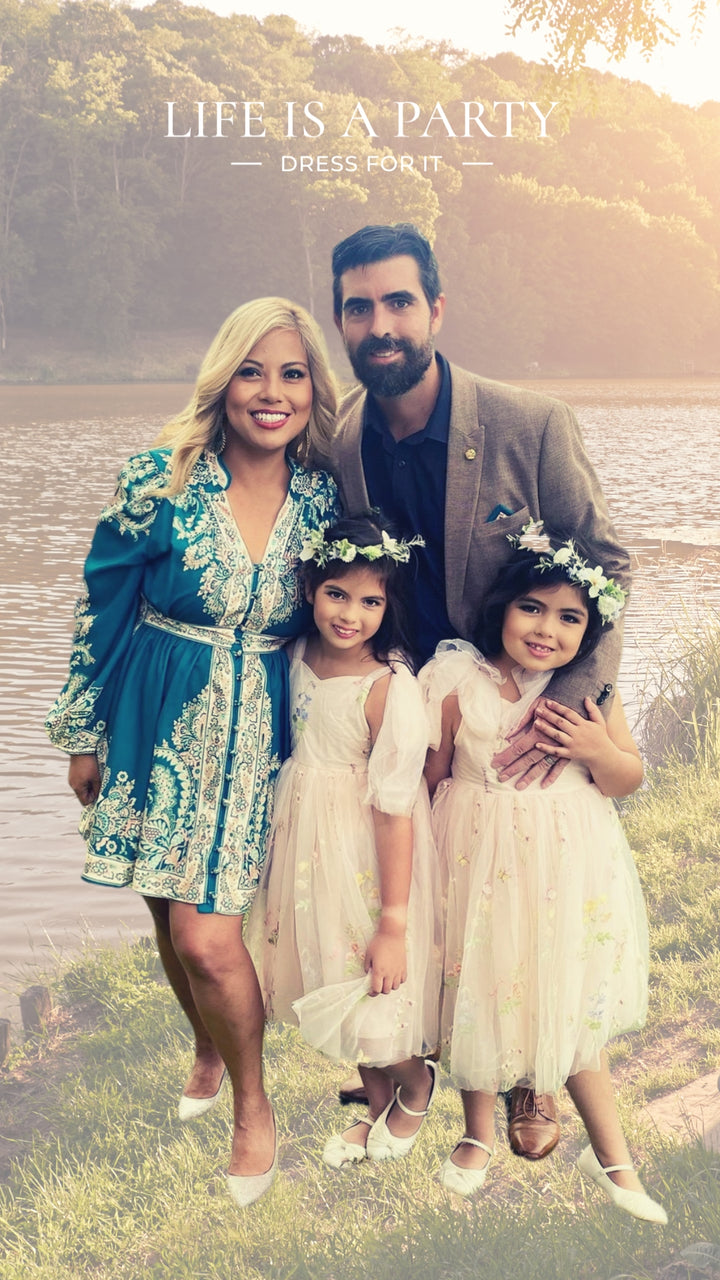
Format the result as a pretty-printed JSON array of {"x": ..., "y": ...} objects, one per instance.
[
  {"x": 366, "y": 529},
  {"x": 517, "y": 577}
]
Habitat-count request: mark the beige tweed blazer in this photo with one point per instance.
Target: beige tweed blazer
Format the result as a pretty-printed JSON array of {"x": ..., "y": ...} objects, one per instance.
[{"x": 525, "y": 452}]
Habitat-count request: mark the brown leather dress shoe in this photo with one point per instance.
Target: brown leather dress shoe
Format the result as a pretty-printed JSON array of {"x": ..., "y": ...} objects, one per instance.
[{"x": 533, "y": 1128}]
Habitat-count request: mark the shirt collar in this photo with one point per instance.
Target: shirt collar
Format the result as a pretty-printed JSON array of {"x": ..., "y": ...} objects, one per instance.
[{"x": 437, "y": 426}]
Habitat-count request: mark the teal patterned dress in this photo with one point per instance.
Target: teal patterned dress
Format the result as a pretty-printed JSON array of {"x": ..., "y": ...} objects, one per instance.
[{"x": 179, "y": 681}]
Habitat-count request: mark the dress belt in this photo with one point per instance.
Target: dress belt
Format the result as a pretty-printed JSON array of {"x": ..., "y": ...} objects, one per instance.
[{"x": 225, "y": 637}]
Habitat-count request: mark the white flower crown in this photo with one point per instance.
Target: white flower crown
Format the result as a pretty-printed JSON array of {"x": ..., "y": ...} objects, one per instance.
[
  {"x": 608, "y": 596},
  {"x": 316, "y": 548}
]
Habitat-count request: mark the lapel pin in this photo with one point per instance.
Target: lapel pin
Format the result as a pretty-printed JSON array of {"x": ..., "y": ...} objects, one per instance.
[{"x": 471, "y": 454}]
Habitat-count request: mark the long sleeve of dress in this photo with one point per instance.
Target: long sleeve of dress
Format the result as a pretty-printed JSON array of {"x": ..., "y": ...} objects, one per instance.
[{"x": 107, "y": 611}]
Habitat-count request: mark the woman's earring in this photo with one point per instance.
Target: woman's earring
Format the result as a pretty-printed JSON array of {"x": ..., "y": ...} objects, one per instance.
[{"x": 220, "y": 440}]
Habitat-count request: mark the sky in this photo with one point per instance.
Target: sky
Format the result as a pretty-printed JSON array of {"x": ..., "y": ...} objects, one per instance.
[{"x": 687, "y": 72}]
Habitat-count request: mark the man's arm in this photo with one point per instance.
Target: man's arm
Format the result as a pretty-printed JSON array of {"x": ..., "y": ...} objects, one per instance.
[{"x": 571, "y": 499}]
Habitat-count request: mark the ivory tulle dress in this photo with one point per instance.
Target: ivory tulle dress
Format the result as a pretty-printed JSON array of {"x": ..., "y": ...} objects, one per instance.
[
  {"x": 318, "y": 902},
  {"x": 546, "y": 936}
]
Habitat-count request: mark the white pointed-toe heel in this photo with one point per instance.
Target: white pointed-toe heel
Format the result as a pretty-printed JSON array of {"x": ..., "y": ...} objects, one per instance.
[
  {"x": 191, "y": 1108},
  {"x": 381, "y": 1143},
  {"x": 245, "y": 1189},
  {"x": 464, "y": 1182},
  {"x": 637, "y": 1203},
  {"x": 338, "y": 1152}
]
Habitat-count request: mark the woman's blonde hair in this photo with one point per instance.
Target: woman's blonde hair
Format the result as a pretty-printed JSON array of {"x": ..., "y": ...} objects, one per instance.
[{"x": 200, "y": 425}]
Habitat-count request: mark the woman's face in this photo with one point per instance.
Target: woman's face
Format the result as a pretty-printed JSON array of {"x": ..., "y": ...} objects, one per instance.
[{"x": 269, "y": 399}]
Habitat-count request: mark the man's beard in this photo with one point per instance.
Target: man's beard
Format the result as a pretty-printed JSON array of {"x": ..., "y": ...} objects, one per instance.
[{"x": 398, "y": 377}]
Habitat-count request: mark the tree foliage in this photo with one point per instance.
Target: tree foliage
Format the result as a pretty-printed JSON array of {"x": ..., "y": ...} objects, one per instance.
[
  {"x": 615, "y": 25},
  {"x": 593, "y": 249}
]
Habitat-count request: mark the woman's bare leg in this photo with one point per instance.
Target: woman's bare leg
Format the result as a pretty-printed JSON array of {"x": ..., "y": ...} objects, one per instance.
[
  {"x": 208, "y": 1067},
  {"x": 226, "y": 994},
  {"x": 593, "y": 1095}
]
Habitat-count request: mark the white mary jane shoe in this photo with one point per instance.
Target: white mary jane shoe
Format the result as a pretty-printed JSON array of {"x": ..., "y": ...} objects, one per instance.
[
  {"x": 338, "y": 1152},
  {"x": 464, "y": 1182},
  {"x": 245, "y": 1189},
  {"x": 637, "y": 1203},
  {"x": 381, "y": 1143},
  {"x": 191, "y": 1108}
]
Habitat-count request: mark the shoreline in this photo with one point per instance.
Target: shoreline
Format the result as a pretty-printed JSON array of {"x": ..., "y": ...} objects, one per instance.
[{"x": 37, "y": 359}]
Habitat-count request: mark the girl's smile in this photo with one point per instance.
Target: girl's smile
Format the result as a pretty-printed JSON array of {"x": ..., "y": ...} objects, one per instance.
[{"x": 543, "y": 630}]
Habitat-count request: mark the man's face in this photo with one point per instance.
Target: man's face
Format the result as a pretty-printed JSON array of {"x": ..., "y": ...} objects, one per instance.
[{"x": 387, "y": 324}]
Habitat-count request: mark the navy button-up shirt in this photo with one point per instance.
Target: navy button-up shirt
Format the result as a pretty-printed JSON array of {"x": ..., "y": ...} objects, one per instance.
[{"x": 406, "y": 479}]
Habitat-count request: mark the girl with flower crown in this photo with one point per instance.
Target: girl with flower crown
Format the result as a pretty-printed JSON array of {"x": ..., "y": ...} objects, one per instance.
[
  {"x": 344, "y": 927},
  {"x": 546, "y": 951}
]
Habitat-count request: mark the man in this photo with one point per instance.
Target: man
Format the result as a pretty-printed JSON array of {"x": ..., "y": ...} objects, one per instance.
[{"x": 464, "y": 462}]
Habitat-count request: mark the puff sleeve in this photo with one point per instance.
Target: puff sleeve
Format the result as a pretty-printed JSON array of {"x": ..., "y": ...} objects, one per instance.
[{"x": 397, "y": 759}]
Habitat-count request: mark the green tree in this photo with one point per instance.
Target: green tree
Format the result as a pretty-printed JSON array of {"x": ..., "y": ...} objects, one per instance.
[{"x": 613, "y": 24}]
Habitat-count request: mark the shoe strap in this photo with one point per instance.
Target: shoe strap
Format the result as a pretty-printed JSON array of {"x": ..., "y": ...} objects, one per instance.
[
  {"x": 407, "y": 1110},
  {"x": 616, "y": 1168},
  {"x": 474, "y": 1142}
]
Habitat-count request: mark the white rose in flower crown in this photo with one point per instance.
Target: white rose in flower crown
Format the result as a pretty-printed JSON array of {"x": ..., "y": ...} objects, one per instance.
[
  {"x": 563, "y": 555},
  {"x": 608, "y": 608},
  {"x": 312, "y": 544}
]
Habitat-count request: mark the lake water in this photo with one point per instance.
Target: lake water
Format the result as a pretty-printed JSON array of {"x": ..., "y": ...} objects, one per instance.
[{"x": 654, "y": 443}]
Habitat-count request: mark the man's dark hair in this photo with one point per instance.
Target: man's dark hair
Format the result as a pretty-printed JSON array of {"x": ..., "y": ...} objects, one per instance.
[{"x": 375, "y": 244}]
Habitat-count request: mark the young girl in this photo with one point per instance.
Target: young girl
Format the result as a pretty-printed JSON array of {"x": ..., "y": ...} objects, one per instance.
[
  {"x": 345, "y": 926},
  {"x": 546, "y": 954}
]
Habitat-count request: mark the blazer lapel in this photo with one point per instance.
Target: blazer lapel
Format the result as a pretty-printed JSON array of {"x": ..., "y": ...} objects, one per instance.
[
  {"x": 464, "y": 471},
  {"x": 348, "y": 458}
]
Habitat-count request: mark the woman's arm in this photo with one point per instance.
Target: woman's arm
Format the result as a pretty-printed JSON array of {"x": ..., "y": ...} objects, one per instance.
[
  {"x": 605, "y": 747},
  {"x": 106, "y": 613},
  {"x": 439, "y": 762}
]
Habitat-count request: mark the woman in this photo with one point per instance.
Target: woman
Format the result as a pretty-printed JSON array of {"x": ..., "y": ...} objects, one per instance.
[{"x": 175, "y": 713}]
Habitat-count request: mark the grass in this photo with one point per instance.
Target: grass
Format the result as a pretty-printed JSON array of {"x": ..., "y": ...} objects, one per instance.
[
  {"x": 105, "y": 1184},
  {"x": 681, "y": 716}
]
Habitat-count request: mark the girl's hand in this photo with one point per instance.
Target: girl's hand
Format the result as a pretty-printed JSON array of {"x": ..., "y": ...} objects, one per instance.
[
  {"x": 386, "y": 962},
  {"x": 605, "y": 747},
  {"x": 84, "y": 778},
  {"x": 568, "y": 735}
]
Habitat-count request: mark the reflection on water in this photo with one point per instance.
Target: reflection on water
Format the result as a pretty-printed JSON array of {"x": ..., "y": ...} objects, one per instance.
[{"x": 652, "y": 443}]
